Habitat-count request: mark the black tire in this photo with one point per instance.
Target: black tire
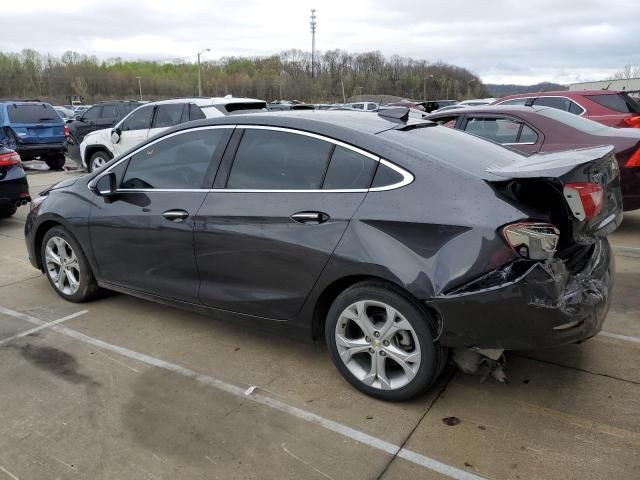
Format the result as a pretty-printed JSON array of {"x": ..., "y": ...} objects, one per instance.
[
  {"x": 56, "y": 163},
  {"x": 99, "y": 155},
  {"x": 8, "y": 213},
  {"x": 433, "y": 356},
  {"x": 88, "y": 287}
]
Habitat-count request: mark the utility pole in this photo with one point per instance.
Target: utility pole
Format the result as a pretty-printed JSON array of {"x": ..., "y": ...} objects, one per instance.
[
  {"x": 140, "y": 86},
  {"x": 199, "y": 74},
  {"x": 424, "y": 86},
  {"x": 313, "y": 41},
  {"x": 344, "y": 97}
]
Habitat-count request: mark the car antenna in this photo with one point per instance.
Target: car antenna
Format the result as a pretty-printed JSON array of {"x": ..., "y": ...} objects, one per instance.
[{"x": 607, "y": 87}]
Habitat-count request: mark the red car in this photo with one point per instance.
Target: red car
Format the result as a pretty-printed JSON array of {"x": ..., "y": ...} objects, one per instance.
[
  {"x": 609, "y": 107},
  {"x": 533, "y": 130}
]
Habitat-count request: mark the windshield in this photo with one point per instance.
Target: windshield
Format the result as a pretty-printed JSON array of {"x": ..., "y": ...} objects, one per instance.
[
  {"x": 32, "y": 113},
  {"x": 572, "y": 120}
]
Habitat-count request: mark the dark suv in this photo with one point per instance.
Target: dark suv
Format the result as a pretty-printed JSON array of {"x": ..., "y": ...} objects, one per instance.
[
  {"x": 101, "y": 115},
  {"x": 34, "y": 130}
]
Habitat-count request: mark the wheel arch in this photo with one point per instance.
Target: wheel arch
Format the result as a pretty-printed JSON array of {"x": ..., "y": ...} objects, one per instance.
[
  {"x": 330, "y": 293},
  {"x": 91, "y": 149}
]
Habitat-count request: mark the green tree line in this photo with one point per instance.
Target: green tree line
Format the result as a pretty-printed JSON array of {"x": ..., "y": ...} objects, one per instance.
[{"x": 288, "y": 75}]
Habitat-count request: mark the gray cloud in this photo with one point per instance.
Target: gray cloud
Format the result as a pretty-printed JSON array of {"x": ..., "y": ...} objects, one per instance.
[{"x": 502, "y": 40}]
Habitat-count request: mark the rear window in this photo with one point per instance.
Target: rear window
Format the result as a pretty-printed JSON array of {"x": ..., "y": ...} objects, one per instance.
[
  {"x": 236, "y": 107},
  {"x": 620, "y": 102},
  {"x": 32, "y": 113},
  {"x": 574, "y": 121}
]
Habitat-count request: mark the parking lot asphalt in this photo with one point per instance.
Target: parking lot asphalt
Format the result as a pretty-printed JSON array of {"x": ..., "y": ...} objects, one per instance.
[{"x": 128, "y": 389}]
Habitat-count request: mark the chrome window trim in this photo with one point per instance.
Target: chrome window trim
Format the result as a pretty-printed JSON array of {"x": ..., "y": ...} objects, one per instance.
[
  {"x": 520, "y": 143},
  {"x": 584, "y": 110},
  {"x": 407, "y": 177}
]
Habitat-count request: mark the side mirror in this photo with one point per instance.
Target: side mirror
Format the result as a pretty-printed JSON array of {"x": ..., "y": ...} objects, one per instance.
[
  {"x": 79, "y": 118},
  {"x": 106, "y": 185},
  {"x": 115, "y": 135}
]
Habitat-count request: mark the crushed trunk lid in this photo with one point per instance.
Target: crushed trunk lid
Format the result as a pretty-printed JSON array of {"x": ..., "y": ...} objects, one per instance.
[{"x": 561, "y": 170}]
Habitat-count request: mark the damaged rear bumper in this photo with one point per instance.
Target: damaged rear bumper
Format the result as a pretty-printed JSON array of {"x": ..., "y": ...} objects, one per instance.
[{"x": 540, "y": 305}]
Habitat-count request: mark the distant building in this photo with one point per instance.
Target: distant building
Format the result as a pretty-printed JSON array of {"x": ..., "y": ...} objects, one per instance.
[{"x": 630, "y": 85}]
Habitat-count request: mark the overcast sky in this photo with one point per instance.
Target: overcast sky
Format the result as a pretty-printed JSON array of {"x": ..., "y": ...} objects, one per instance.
[{"x": 504, "y": 41}]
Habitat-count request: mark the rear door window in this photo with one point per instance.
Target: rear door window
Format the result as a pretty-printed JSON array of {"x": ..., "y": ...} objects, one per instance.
[
  {"x": 32, "y": 113},
  {"x": 195, "y": 112},
  {"x": 274, "y": 160},
  {"x": 620, "y": 102},
  {"x": 501, "y": 130},
  {"x": 348, "y": 170},
  {"x": 515, "y": 101}
]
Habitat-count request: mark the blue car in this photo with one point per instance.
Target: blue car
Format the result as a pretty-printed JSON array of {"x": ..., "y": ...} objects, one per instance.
[{"x": 34, "y": 130}]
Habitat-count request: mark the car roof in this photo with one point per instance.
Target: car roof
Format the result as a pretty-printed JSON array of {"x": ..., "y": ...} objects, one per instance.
[
  {"x": 563, "y": 93},
  {"x": 200, "y": 101},
  {"x": 506, "y": 109}
]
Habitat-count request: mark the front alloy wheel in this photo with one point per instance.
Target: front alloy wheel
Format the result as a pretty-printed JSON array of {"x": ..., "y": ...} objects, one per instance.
[
  {"x": 66, "y": 266},
  {"x": 98, "y": 160},
  {"x": 62, "y": 265},
  {"x": 383, "y": 341}
]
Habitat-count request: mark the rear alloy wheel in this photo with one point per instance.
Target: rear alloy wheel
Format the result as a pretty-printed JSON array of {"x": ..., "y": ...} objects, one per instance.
[
  {"x": 98, "y": 160},
  {"x": 55, "y": 163},
  {"x": 66, "y": 266},
  {"x": 382, "y": 342}
]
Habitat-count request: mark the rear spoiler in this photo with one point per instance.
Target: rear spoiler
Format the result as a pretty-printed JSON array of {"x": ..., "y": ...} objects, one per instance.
[{"x": 554, "y": 164}]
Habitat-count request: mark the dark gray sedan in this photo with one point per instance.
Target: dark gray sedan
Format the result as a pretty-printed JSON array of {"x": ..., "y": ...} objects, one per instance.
[{"x": 392, "y": 238}]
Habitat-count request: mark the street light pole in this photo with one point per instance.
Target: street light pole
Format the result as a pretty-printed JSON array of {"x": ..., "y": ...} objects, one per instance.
[
  {"x": 199, "y": 73},
  {"x": 140, "y": 86},
  {"x": 424, "y": 86}
]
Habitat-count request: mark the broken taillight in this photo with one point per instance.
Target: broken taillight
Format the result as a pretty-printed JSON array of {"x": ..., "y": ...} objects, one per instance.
[
  {"x": 585, "y": 199},
  {"x": 634, "y": 160},
  {"x": 532, "y": 240}
]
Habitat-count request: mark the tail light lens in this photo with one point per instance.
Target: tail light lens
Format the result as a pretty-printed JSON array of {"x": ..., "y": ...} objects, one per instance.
[
  {"x": 66, "y": 131},
  {"x": 585, "y": 199},
  {"x": 633, "y": 122},
  {"x": 7, "y": 159},
  {"x": 634, "y": 160},
  {"x": 532, "y": 240}
]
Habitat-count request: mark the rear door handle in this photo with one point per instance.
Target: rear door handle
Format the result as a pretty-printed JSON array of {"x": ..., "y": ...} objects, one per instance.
[
  {"x": 310, "y": 217},
  {"x": 176, "y": 215}
]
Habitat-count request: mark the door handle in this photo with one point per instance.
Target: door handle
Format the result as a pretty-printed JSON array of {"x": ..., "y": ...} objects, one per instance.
[
  {"x": 310, "y": 217},
  {"x": 175, "y": 215}
]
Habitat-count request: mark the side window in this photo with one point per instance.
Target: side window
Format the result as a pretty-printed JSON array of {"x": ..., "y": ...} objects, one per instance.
[
  {"x": 92, "y": 114},
  {"x": 195, "y": 112},
  {"x": 358, "y": 106},
  {"x": 371, "y": 106},
  {"x": 273, "y": 160},
  {"x": 560, "y": 103},
  {"x": 386, "y": 176},
  {"x": 527, "y": 135},
  {"x": 348, "y": 170},
  {"x": 449, "y": 122},
  {"x": 108, "y": 112},
  {"x": 500, "y": 130},
  {"x": 177, "y": 162},
  {"x": 575, "y": 108},
  {"x": 168, "y": 115},
  {"x": 139, "y": 119}
]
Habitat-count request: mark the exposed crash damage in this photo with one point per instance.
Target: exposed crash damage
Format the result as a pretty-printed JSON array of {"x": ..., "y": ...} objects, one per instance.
[{"x": 527, "y": 305}]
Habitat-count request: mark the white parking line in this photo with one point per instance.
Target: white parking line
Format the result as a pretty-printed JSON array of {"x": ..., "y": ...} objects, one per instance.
[
  {"x": 364, "y": 438},
  {"x": 43, "y": 326},
  {"x": 617, "y": 336}
]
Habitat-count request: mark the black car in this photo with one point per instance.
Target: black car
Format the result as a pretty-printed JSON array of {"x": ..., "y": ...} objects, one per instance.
[
  {"x": 14, "y": 189},
  {"x": 99, "y": 116},
  {"x": 395, "y": 239}
]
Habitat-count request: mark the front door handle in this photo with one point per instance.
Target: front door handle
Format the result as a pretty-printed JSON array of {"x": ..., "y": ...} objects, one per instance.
[
  {"x": 176, "y": 215},
  {"x": 310, "y": 217}
]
